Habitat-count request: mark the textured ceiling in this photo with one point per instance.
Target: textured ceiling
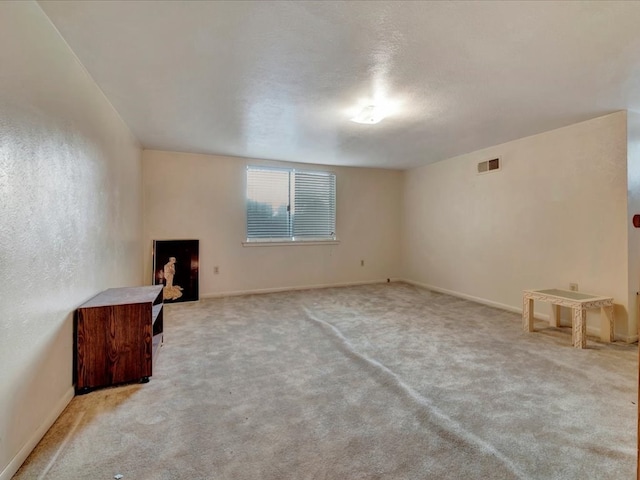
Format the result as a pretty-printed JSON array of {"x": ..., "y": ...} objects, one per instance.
[{"x": 279, "y": 80}]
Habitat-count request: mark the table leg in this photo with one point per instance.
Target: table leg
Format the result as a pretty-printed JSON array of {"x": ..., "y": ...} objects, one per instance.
[
  {"x": 579, "y": 331},
  {"x": 555, "y": 315},
  {"x": 606, "y": 324},
  {"x": 527, "y": 314}
]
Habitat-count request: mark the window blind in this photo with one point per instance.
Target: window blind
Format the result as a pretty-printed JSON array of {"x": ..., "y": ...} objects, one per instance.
[
  {"x": 314, "y": 213},
  {"x": 290, "y": 205},
  {"x": 268, "y": 203}
]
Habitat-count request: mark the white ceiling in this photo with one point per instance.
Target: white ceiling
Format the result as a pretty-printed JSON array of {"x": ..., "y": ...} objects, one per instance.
[{"x": 276, "y": 80}]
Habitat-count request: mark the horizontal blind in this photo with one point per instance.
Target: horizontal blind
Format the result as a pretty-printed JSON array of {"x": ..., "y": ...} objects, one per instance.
[
  {"x": 314, "y": 206},
  {"x": 268, "y": 215}
]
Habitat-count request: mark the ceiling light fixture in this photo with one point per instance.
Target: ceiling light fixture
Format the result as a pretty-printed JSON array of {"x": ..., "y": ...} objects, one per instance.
[{"x": 369, "y": 115}]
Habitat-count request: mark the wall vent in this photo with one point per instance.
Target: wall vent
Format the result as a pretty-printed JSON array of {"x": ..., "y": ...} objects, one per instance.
[{"x": 489, "y": 165}]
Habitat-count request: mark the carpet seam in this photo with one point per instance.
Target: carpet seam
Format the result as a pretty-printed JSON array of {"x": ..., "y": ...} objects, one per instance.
[{"x": 415, "y": 397}]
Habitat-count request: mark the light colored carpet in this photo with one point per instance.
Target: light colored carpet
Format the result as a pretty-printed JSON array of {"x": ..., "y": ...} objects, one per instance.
[{"x": 372, "y": 382}]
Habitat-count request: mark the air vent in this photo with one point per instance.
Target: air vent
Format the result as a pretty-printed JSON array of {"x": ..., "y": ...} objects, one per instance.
[{"x": 489, "y": 165}]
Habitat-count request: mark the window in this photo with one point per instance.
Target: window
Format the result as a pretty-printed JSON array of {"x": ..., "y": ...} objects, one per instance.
[{"x": 289, "y": 205}]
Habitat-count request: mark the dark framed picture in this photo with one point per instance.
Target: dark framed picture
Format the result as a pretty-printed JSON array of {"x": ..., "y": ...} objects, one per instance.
[{"x": 175, "y": 265}]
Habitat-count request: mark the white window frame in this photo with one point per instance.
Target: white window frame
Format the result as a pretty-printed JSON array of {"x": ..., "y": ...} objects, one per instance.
[{"x": 289, "y": 240}]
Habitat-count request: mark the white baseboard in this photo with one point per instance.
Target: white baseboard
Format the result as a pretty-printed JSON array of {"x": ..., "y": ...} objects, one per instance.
[
  {"x": 594, "y": 331},
  {"x": 28, "y": 447},
  {"x": 483, "y": 301},
  {"x": 259, "y": 291}
]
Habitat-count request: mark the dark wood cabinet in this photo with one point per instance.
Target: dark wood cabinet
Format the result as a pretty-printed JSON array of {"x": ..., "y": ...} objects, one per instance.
[{"x": 118, "y": 334}]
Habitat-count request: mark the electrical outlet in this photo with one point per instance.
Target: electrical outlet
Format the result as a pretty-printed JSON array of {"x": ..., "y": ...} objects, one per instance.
[
  {"x": 362, "y": 263},
  {"x": 216, "y": 270},
  {"x": 573, "y": 287}
]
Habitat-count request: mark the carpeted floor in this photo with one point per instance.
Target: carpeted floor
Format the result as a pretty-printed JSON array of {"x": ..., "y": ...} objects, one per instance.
[{"x": 372, "y": 382}]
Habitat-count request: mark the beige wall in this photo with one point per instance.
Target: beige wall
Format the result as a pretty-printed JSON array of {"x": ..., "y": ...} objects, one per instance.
[
  {"x": 70, "y": 210},
  {"x": 556, "y": 213},
  {"x": 203, "y": 197}
]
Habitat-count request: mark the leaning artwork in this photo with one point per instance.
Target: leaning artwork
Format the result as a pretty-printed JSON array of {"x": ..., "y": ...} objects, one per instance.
[{"x": 175, "y": 265}]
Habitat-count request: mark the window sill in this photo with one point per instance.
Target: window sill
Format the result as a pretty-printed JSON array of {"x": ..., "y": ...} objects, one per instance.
[{"x": 291, "y": 243}]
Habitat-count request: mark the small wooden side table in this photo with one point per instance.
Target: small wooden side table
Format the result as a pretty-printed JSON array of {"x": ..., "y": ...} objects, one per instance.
[{"x": 579, "y": 303}]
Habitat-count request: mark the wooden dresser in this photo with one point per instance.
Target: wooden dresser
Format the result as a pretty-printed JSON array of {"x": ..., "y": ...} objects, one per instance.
[{"x": 118, "y": 334}]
